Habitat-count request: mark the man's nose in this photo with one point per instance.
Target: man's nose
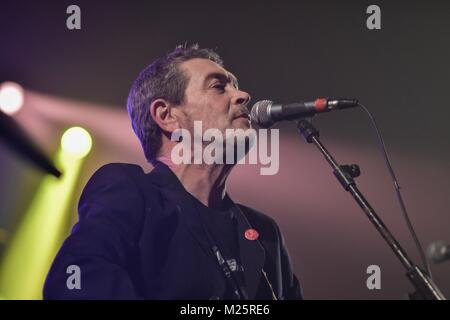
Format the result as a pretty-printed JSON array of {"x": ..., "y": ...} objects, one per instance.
[{"x": 241, "y": 98}]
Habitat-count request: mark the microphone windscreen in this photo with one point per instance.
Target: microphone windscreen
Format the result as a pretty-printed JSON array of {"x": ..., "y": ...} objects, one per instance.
[
  {"x": 260, "y": 114},
  {"x": 437, "y": 251}
]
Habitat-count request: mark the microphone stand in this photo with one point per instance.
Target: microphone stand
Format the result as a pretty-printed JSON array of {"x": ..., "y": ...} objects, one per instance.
[{"x": 425, "y": 288}]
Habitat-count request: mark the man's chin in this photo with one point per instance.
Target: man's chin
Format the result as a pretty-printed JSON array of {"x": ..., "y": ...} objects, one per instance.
[{"x": 241, "y": 123}]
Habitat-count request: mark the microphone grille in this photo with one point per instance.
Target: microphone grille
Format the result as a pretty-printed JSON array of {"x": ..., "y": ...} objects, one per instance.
[
  {"x": 260, "y": 113},
  {"x": 437, "y": 251}
]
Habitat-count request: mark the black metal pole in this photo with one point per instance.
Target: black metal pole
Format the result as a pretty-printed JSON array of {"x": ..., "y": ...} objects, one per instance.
[{"x": 425, "y": 287}]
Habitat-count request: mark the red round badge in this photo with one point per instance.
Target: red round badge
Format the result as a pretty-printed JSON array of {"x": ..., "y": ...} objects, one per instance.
[{"x": 251, "y": 234}]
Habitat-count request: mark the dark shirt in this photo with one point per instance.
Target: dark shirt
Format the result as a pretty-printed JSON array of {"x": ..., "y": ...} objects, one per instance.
[{"x": 222, "y": 227}]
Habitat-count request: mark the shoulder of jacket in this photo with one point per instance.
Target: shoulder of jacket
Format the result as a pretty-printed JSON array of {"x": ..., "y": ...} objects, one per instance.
[{"x": 256, "y": 216}]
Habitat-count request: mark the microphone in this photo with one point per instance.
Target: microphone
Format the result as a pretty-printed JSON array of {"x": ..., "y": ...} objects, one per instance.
[
  {"x": 18, "y": 139},
  {"x": 265, "y": 113},
  {"x": 438, "y": 252}
]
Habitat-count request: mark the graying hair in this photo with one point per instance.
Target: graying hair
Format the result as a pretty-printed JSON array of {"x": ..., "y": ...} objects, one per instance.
[{"x": 161, "y": 79}]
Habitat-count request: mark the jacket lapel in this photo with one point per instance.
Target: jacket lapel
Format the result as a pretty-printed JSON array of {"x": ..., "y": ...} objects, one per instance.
[{"x": 173, "y": 190}]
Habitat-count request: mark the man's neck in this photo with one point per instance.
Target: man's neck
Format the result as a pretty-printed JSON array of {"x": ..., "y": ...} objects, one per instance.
[{"x": 207, "y": 183}]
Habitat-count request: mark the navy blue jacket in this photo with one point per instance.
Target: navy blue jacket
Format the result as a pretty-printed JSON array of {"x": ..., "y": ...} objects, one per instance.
[{"x": 139, "y": 237}]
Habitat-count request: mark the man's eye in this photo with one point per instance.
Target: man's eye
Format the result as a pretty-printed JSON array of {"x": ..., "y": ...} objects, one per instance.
[{"x": 220, "y": 87}]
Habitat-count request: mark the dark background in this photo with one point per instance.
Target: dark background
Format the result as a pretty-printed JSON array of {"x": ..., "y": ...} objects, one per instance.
[{"x": 284, "y": 51}]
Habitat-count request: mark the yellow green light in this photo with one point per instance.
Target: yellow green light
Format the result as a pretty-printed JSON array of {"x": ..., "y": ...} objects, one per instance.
[
  {"x": 76, "y": 141},
  {"x": 43, "y": 228}
]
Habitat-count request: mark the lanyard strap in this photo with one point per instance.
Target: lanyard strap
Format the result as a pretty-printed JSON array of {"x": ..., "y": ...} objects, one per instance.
[
  {"x": 238, "y": 290},
  {"x": 239, "y": 213}
]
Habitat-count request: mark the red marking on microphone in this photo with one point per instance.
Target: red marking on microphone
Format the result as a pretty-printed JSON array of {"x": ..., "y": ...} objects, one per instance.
[
  {"x": 251, "y": 234},
  {"x": 320, "y": 104}
]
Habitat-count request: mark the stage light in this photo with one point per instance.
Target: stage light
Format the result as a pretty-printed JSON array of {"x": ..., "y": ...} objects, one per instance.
[
  {"x": 76, "y": 141},
  {"x": 45, "y": 224},
  {"x": 11, "y": 97}
]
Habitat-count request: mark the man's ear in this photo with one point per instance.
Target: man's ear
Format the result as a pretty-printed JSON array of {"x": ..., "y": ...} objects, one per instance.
[{"x": 161, "y": 112}]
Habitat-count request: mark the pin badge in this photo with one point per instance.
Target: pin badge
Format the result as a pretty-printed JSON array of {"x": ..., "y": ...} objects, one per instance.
[{"x": 251, "y": 234}]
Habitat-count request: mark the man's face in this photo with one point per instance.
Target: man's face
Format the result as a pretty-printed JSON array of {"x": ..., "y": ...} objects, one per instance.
[{"x": 212, "y": 96}]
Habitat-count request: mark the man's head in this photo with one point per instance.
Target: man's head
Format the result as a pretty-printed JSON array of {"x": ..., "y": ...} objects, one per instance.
[{"x": 187, "y": 84}]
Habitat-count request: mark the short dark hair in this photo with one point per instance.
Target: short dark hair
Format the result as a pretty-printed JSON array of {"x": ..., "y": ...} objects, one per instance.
[{"x": 161, "y": 79}]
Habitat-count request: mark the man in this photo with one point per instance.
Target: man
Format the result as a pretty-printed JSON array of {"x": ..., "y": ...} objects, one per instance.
[{"x": 173, "y": 233}]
